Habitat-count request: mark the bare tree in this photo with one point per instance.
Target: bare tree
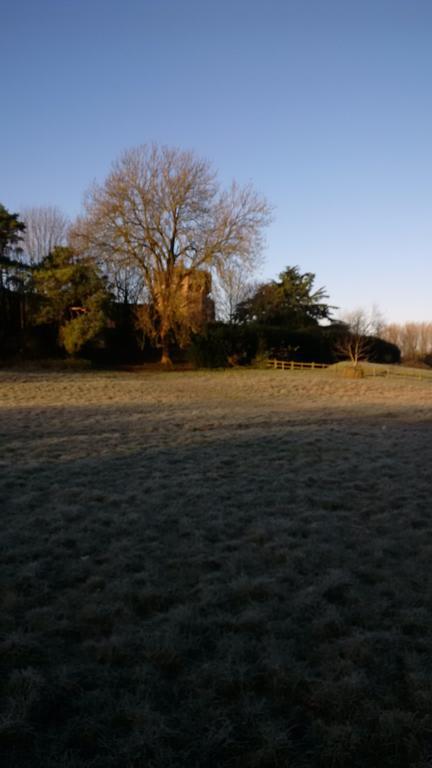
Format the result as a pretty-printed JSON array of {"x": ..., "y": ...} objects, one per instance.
[
  {"x": 161, "y": 210},
  {"x": 125, "y": 282},
  {"x": 392, "y": 333},
  {"x": 46, "y": 228},
  {"x": 410, "y": 340},
  {"x": 376, "y": 321},
  {"x": 424, "y": 339},
  {"x": 413, "y": 339},
  {"x": 355, "y": 343},
  {"x": 233, "y": 286}
]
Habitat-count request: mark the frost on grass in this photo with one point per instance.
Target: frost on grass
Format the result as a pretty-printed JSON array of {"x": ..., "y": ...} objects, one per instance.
[{"x": 215, "y": 569}]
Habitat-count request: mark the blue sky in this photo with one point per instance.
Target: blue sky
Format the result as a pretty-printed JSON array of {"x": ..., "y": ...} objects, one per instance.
[{"x": 325, "y": 105}]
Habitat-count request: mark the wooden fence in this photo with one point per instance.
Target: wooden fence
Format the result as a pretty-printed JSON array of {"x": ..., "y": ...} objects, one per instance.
[
  {"x": 370, "y": 369},
  {"x": 291, "y": 365},
  {"x": 399, "y": 370}
]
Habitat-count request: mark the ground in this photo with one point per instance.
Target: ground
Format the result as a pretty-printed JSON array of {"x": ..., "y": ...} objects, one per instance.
[{"x": 215, "y": 569}]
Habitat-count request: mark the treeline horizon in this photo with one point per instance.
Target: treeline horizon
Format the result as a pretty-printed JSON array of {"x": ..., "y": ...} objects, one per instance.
[{"x": 162, "y": 263}]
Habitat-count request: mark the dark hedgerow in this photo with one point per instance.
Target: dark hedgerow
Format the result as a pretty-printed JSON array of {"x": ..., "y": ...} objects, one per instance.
[{"x": 227, "y": 344}]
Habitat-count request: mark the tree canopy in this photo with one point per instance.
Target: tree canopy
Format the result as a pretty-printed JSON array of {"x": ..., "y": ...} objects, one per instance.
[
  {"x": 162, "y": 212},
  {"x": 290, "y": 301},
  {"x": 74, "y": 297},
  {"x": 11, "y": 236}
]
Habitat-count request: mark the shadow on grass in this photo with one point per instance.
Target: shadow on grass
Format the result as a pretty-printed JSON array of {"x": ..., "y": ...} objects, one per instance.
[{"x": 192, "y": 591}]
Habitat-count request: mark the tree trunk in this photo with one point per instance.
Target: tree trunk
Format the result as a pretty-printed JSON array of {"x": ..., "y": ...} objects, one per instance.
[{"x": 166, "y": 358}]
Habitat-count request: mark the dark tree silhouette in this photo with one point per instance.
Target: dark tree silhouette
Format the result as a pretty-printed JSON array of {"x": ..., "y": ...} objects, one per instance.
[{"x": 290, "y": 301}]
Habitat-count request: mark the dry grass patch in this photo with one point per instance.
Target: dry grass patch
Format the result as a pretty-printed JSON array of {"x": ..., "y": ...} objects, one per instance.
[{"x": 215, "y": 569}]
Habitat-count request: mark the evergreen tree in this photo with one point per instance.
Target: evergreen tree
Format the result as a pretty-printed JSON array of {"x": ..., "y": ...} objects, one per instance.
[
  {"x": 74, "y": 297},
  {"x": 290, "y": 301},
  {"x": 11, "y": 235}
]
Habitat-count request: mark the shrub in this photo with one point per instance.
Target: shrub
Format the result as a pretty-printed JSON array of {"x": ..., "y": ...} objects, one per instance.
[{"x": 223, "y": 345}]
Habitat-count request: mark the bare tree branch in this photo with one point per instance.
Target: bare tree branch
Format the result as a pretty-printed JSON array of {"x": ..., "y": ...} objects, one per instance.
[{"x": 46, "y": 228}]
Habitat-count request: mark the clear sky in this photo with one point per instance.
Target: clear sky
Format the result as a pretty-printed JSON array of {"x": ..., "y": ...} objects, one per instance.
[{"x": 325, "y": 105}]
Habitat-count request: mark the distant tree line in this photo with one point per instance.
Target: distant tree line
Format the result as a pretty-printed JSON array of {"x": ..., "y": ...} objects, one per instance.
[
  {"x": 413, "y": 339},
  {"x": 161, "y": 263}
]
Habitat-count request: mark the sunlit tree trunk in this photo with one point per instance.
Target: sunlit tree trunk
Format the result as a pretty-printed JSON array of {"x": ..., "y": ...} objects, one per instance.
[{"x": 166, "y": 354}]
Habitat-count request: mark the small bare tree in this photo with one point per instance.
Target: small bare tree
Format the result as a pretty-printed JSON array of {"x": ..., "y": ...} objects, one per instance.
[
  {"x": 355, "y": 342},
  {"x": 46, "y": 228},
  {"x": 161, "y": 211}
]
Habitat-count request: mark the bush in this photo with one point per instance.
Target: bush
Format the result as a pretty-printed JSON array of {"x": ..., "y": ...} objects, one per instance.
[
  {"x": 381, "y": 351},
  {"x": 305, "y": 345},
  {"x": 223, "y": 345}
]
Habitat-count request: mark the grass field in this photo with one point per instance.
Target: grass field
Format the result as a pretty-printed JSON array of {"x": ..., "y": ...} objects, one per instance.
[{"x": 215, "y": 569}]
